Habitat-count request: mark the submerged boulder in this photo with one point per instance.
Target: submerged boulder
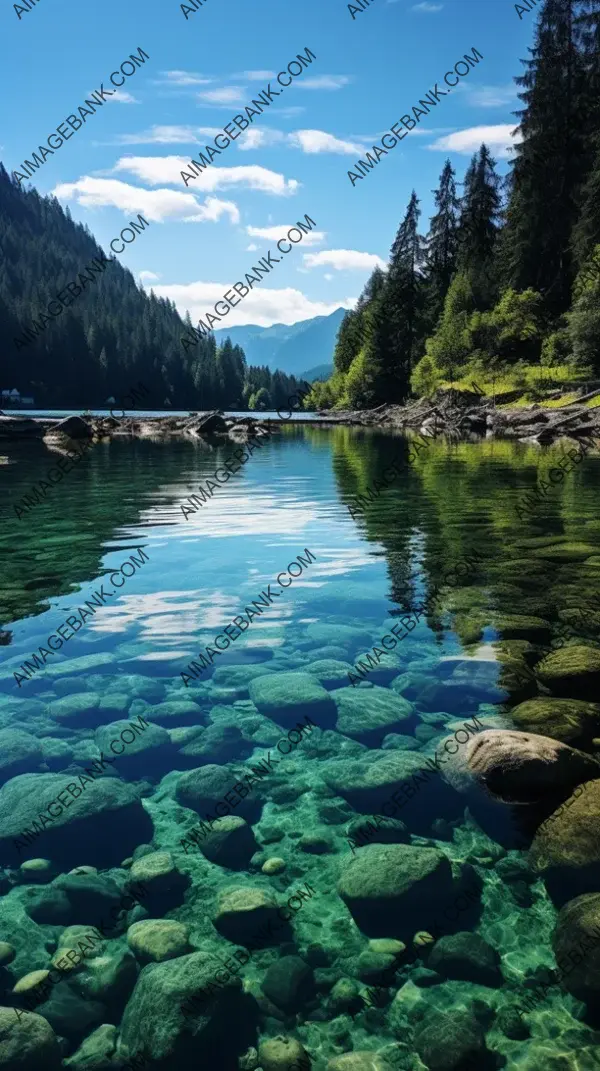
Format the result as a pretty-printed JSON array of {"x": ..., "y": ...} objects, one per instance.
[
  {"x": 103, "y": 825},
  {"x": 288, "y": 697},
  {"x": 572, "y": 671},
  {"x": 566, "y": 848},
  {"x": 393, "y": 890},
  {"x": 570, "y": 720},
  {"x": 523, "y": 767},
  {"x": 576, "y": 944}
]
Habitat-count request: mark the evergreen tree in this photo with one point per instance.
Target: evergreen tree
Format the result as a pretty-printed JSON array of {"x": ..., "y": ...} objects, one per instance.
[
  {"x": 548, "y": 166},
  {"x": 399, "y": 313},
  {"x": 479, "y": 218},
  {"x": 442, "y": 243}
]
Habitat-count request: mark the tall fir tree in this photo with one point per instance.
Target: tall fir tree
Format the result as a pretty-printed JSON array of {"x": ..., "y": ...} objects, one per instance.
[
  {"x": 442, "y": 242},
  {"x": 549, "y": 160},
  {"x": 479, "y": 222}
]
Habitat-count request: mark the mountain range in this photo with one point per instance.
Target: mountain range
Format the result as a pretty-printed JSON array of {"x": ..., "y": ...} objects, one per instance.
[{"x": 304, "y": 349}]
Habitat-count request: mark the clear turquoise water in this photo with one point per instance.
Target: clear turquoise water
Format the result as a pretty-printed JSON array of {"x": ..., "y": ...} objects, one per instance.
[{"x": 294, "y": 493}]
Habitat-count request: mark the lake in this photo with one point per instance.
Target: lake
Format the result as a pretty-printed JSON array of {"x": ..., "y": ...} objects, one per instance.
[{"x": 262, "y": 724}]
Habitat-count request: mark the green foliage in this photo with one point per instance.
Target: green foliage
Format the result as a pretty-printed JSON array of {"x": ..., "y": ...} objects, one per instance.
[
  {"x": 452, "y": 342},
  {"x": 512, "y": 330},
  {"x": 426, "y": 378}
]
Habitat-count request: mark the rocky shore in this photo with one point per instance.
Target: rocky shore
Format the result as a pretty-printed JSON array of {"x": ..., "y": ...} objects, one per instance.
[
  {"x": 459, "y": 414},
  {"x": 454, "y": 414}
]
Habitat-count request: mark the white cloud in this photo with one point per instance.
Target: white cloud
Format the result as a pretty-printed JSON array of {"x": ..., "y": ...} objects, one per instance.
[
  {"x": 261, "y": 306},
  {"x": 426, "y": 7},
  {"x": 491, "y": 96},
  {"x": 148, "y": 276},
  {"x": 314, "y": 141},
  {"x": 184, "y": 78},
  {"x": 224, "y": 96},
  {"x": 157, "y": 170},
  {"x": 170, "y": 135},
  {"x": 328, "y": 277},
  {"x": 344, "y": 260},
  {"x": 251, "y": 248},
  {"x": 324, "y": 81},
  {"x": 156, "y": 205},
  {"x": 256, "y": 76},
  {"x": 123, "y": 98},
  {"x": 273, "y": 234},
  {"x": 498, "y": 138},
  {"x": 259, "y": 138}
]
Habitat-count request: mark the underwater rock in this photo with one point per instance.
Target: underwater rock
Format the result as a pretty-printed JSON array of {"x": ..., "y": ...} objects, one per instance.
[
  {"x": 243, "y": 910},
  {"x": 19, "y": 753},
  {"x": 108, "y": 978},
  {"x": 79, "y": 710},
  {"x": 521, "y": 627},
  {"x": 215, "y": 744},
  {"x": 96, "y": 1052},
  {"x": 329, "y": 672},
  {"x": 36, "y": 871},
  {"x": 576, "y": 944},
  {"x": 572, "y": 671},
  {"x": 231, "y": 843},
  {"x": 392, "y": 890},
  {"x": 202, "y": 789},
  {"x": 359, "y": 1060},
  {"x": 524, "y": 767},
  {"x": 156, "y": 940},
  {"x": 283, "y": 1054},
  {"x": 160, "y": 878},
  {"x": 449, "y": 1042},
  {"x": 27, "y": 1043},
  {"x": 571, "y": 721},
  {"x": 565, "y": 552},
  {"x": 236, "y": 679},
  {"x": 364, "y": 830},
  {"x": 389, "y": 782},
  {"x": 148, "y": 756},
  {"x": 178, "y": 712},
  {"x": 154, "y": 1020},
  {"x": 369, "y": 714},
  {"x": 103, "y": 824},
  {"x": 288, "y": 697},
  {"x": 349, "y": 635},
  {"x": 565, "y": 850},
  {"x": 289, "y": 983},
  {"x": 467, "y": 957}
]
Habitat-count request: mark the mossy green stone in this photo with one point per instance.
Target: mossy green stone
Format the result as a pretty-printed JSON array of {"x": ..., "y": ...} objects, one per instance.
[
  {"x": 565, "y": 552},
  {"x": 392, "y": 890},
  {"x": 571, "y": 672},
  {"x": 568, "y": 720},
  {"x": 520, "y": 626},
  {"x": 289, "y": 697}
]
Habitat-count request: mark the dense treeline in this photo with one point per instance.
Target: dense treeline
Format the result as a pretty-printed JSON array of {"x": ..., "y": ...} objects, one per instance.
[
  {"x": 505, "y": 285},
  {"x": 113, "y": 335}
]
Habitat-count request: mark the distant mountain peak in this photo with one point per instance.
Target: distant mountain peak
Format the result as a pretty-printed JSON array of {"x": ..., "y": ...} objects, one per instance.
[{"x": 292, "y": 348}]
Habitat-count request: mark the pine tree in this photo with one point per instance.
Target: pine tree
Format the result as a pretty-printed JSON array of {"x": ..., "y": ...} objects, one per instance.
[
  {"x": 442, "y": 243},
  {"x": 399, "y": 315},
  {"x": 548, "y": 166},
  {"x": 478, "y": 230}
]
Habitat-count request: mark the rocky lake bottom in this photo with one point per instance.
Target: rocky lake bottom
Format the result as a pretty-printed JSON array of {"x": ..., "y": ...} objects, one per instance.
[{"x": 317, "y": 849}]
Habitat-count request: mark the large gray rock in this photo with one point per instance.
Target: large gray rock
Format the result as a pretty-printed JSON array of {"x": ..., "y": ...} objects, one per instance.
[
  {"x": 154, "y": 1021},
  {"x": 524, "y": 768},
  {"x": 394, "y": 890},
  {"x": 102, "y": 826}
]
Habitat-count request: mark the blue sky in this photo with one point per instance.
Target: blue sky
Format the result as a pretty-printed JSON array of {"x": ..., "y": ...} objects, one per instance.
[{"x": 368, "y": 72}]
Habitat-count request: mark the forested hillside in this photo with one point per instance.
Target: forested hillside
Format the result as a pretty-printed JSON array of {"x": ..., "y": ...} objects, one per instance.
[
  {"x": 113, "y": 334},
  {"x": 504, "y": 287}
]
